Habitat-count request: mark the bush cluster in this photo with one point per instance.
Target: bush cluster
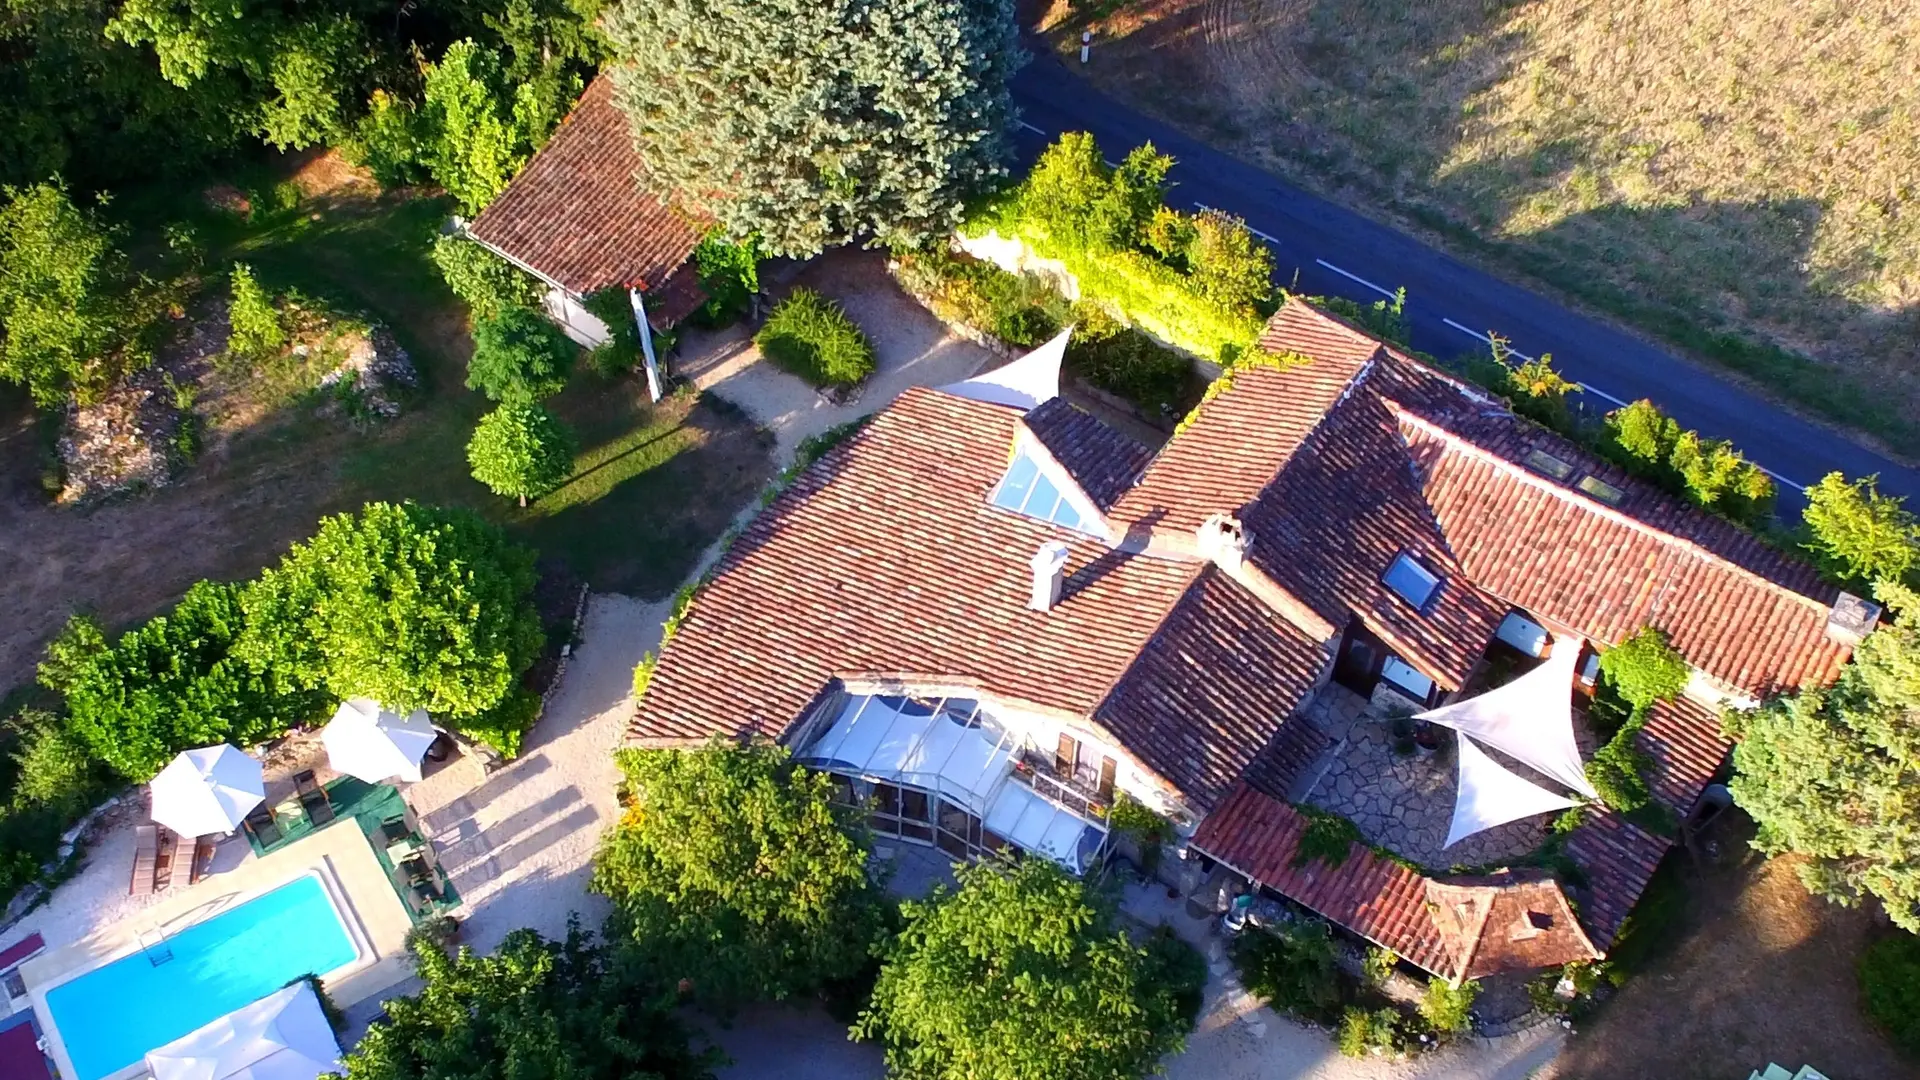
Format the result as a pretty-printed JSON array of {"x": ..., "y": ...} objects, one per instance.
[
  {"x": 1201, "y": 283},
  {"x": 729, "y": 275},
  {"x": 1019, "y": 309},
  {"x": 812, "y": 337},
  {"x": 487, "y": 283},
  {"x": 255, "y": 320},
  {"x": 1890, "y": 987},
  {"x": 1708, "y": 472},
  {"x": 1634, "y": 675},
  {"x": 1128, "y": 364}
]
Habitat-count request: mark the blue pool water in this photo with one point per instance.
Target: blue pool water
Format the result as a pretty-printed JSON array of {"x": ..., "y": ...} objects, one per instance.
[{"x": 111, "y": 1016}]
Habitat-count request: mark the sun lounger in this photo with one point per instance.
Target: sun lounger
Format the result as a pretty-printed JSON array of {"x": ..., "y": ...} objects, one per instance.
[
  {"x": 203, "y": 849},
  {"x": 163, "y": 862},
  {"x": 319, "y": 808},
  {"x": 146, "y": 850},
  {"x": 260, "y": 823}
]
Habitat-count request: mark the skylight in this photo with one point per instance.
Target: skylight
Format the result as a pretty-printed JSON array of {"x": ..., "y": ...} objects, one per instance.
[
  {"x": 1541, "y": 461},
  {"x": 1601, "y": 490},
  {"x": 1027, "y": 490},
  {"x": 1414, "y": 583}
]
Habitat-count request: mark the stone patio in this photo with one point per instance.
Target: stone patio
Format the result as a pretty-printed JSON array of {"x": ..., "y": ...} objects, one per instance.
[{"x": 1403, "y": 804}]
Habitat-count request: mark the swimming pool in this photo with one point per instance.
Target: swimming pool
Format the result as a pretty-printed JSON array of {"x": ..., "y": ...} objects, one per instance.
[{"x": 111, "y": 1016}]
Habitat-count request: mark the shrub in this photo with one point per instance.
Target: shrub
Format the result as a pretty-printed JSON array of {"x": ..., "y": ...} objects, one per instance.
[
  {"x": 53, "y": 767},
  {"x": 389, "y": 141},
  {"x": 1129, "y": 364},
  {"x": 487, "y": 283},
  {"x": 1019, "y": 309},
  {"x": 1859, "y": 536},
  {"x": 1890, "y": 988},
  {"x": 519, "y": 357},
  {"x": 1645, "y": 669},
  {"x": 811, "y": 336},
  {"x": 1178, "y": 968},
  {"x": 1378, "y": 965},
  {"x": 64, "y": 296},
  {"x": 1447, "y": 1009},
  {"x": 729, "y": 275},
  {"x": 179, "y": 682},
  {"x": 1294, "y": 968},
  {"x": 1228, "y": 266},
  {"x": 1169, "y": 234},
  {"x": 521, "y": 451},
  {"x": 1708, "y": 472},
  {"x": 255, "y": 321},
  {"x": 643, "y": 676},
  {"x": 1618, "y": 771},
  {"x": 622, "y": 351},
  {"x": 1364, "y": 1032},
  {"x": 1328, "y": 838}
]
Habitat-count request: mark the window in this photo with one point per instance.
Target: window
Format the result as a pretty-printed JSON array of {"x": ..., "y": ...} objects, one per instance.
[
  {"x": 1601, "y": 490},
  {"x": 1543, "y": 462},
  {"x": 1066, "y": 755},
  {"x": 1411, "y": 682},
  {"x": 1415, "y": 583},
  {"x": 1524, "y": 634},
  {"x": 1026, "y": 490},
  {"x": 1590, "y": 669},
  {"x": 1109, "y": 769}
]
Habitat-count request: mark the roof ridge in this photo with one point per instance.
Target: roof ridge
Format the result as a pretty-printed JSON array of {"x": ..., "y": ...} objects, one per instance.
[{"x": 1566, "y": 495}]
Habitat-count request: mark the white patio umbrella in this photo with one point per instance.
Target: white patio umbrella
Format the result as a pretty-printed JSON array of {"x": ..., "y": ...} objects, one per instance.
[
  {"x": 208, "y": 790},
  {"x": 367, "y": 740},
  {"x": 283, "y": 1036}
]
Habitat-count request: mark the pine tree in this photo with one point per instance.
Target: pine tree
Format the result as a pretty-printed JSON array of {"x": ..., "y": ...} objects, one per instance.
[{"x": 818, "y": 122}]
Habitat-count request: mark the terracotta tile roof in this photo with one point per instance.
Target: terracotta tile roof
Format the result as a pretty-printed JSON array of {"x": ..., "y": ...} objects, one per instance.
[
  {"x": 1515, "y": 921},
  {"x": 885, "y": 558},
  {"x": 1336, "y": 518},
  {"x": 1218, "y": 681},
  {"x": 1617, "y": 858},
  {"x": 1563, "y": 557},
  {"x": 1688, "y": 748},
  {"x": 1379, "y": 899},
  {"x": 1103, "y": 460},
  {"x": 577, "y": 215},
  {"x": 1239, "y": 440}
]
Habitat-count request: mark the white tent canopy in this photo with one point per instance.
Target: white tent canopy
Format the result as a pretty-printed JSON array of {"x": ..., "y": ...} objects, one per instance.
[
  {"x": 208, "y": 790},
  {"x": 283, "y": 1036},
  {"x": 1024, "y": 383},
  {"x": 1492, "y": 795},
  {"x": 1530, "y": 719},
  {"x": 367, "y": 740}
]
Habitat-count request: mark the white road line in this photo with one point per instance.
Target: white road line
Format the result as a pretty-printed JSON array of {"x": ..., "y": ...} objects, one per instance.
[
  {"x": 1356, "y": 277},
  {"x": 1033, "y": 128},
  {"x": 1488, "y": 341},
  {"x": 1596, "y": 392},
  {"x": 1802, "y": 488}
]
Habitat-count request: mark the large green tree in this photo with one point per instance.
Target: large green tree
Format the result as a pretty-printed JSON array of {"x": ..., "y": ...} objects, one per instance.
[
  {"x": 534, "y": 1010},
  {"x": 64, "y": 296},
  {"x": 1021, "y": 974},
  {"x": 479, "y": 127},
  {"x": 733, "y": 868},
  {"x": 1834, "y": 773},
  {"x": 173, "y": 684},
  {"x": 519, "y": 357},
  {"x": 818, "y": 122},
  {"x": 414, "y": 606}
]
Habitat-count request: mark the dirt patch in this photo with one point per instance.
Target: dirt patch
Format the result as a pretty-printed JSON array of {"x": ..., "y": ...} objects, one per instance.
[
  {"x": 124, "y": 442},
  {"x": 323, "y": 173},
  {"x": 1757, "y": 971}
]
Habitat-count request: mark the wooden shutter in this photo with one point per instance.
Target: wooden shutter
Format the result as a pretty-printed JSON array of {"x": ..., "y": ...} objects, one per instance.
[
  {"x": 1108, "y": 767},
  {"x": 1067, "y": 755}
]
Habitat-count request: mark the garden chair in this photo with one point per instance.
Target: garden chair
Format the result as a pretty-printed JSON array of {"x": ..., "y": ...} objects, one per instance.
[
  {"x": 259, "y": 821},
  {"x": 203, "y": 849},
  {"x": 146, "y": 853},
  {"x": 319, "y": 809},
  {"x": 163, "y": 861}
]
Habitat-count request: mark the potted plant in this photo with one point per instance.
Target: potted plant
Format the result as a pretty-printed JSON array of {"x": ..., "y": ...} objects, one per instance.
[{"x": 1426, "y": 736}]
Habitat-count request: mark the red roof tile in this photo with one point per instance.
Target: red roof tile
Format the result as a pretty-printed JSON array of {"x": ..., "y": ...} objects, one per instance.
[
  {"x": 577, "y": 215},
  {"x": 1382, "y": 900},
  {"x": 1103, "y": 461},
  {"x": 1617, "y": 858}
]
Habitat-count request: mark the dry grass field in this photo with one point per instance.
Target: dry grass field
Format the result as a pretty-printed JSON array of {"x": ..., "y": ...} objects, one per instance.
[{"x": 1696, "y": 167}]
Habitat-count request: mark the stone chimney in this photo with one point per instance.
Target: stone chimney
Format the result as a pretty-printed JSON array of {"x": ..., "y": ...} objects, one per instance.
[
  {"x": 1222, "y": 540},
  {"x": 1049, "y": 566},
  {"x": 1852, "y": 619}
]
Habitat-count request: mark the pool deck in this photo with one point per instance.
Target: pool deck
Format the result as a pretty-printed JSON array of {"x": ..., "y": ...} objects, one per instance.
[{"x": 344, "y": 860}]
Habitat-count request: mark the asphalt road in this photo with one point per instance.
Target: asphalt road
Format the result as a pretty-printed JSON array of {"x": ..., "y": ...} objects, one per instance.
[{"x": 1449, "y": 304}]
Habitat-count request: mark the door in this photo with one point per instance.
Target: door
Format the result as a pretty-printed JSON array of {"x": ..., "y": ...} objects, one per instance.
[
  {"x": 1108, "y": 767},
  {"x": 1361, "y": 657},
  {"x": 1066, "y": 755}
]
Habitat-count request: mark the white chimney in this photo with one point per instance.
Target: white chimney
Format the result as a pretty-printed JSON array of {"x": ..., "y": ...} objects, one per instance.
[
  {"x": 1049, "y": 574},
  {"x": 1223, "y": 540}
]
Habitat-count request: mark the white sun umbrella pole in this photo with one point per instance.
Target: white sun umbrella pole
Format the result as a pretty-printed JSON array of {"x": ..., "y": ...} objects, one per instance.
[
  {"x": 374, "y": 743},
  {"x": 209, "y": 790}
]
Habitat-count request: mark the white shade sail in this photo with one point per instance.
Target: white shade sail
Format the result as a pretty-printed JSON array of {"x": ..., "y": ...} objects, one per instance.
[
  {"x": 283, "y": 1036},
  {"x": 208, "y": 790},
  {"x": 367, "y": 740},
  {"x": 1024, "y": 383},
  {"x": 1530, "y": 719},
  {"x": 1492, "y": 795}
]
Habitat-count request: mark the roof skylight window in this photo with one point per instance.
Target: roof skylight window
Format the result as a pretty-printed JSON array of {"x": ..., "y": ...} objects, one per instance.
[
  {"x": 1025, "y": 489},
  {"x": 1543, "y": 462},
  {"x": 1601, "y": 490},
  {"x": 1412, "y": 582}
]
